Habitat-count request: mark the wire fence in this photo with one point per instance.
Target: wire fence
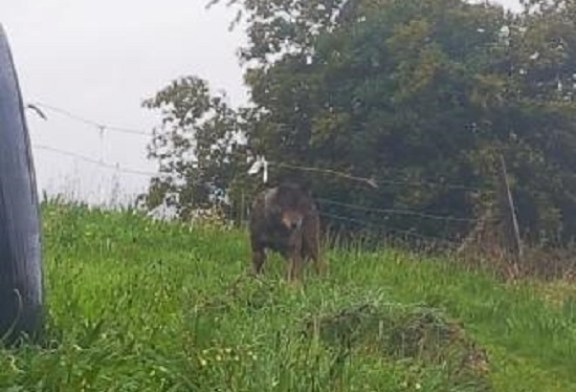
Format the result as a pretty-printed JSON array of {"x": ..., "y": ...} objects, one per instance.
[
  {"x": 375, "y": 183},
  {"x": 390, "y": 211},
  {"x": 388, "y": 230},
  {"x": 98, "y": 125},
  {"x": 372, "y": 211},
  {"x": 116, "y": 167}
]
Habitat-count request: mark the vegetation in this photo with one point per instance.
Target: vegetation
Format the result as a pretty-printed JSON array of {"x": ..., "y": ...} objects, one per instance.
[
  {"x": 142, "y": 305},
  {"x": 403, "y": 92}
]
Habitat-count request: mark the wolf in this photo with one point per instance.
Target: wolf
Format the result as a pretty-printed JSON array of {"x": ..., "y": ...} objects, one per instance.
[{"x": 285, "y": 219}]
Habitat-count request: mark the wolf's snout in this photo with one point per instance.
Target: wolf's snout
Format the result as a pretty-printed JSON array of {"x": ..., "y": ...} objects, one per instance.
[{"x": 292, "y": 223}]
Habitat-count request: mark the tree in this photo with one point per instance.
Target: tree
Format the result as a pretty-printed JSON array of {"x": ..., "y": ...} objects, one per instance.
[
  {"x": 414, "y": 90},
  {"x": 542, "y": 61},
  {"x": 198, "y": 146},
  {"x": 418, "y": 95}
]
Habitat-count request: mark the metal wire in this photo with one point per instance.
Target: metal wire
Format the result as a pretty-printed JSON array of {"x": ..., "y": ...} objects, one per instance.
[
  {"x": 98, "y": 163},
  {"x": 98, "y": 125},
  {"x": 397, "y": 212}
]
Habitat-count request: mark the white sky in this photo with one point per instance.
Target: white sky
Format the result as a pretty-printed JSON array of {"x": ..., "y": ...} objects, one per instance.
[{"x": 99, "y": 60}]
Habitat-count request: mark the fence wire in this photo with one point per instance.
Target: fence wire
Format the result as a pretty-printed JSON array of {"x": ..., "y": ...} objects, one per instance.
[
  {"x": 362, "y": 222},
  {"x": 115, "y": 167},
  {"x": 368, "y": 181},
  {"x": 390, "y": 211},
  {"x": 98, "y": 125}
]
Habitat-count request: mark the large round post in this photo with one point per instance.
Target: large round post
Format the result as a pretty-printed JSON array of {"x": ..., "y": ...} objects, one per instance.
[{"x": 20, "y": 251}]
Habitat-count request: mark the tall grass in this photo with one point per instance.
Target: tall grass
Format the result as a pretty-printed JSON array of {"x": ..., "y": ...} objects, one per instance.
[{"x": 141, "y": 305}]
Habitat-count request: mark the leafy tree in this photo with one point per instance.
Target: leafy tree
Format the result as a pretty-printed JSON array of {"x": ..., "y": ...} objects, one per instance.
[
  {"x": 542, "y": 63},
  {"x": 411, "y": 91},
  {"x": 198, "y": 147},
  {"x": 418, "y": 95}
]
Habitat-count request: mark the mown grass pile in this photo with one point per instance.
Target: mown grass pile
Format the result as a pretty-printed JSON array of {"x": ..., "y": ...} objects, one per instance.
[{"x": 138, "y": 305}]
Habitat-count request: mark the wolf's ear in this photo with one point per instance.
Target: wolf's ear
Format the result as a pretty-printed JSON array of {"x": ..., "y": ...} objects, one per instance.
[{"x": 269, "y": 196}]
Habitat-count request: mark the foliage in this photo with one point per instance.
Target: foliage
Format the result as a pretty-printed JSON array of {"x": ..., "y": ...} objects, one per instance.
[
  {"x": 197, "y": 146},
  {"x": 417, "y": 95}
]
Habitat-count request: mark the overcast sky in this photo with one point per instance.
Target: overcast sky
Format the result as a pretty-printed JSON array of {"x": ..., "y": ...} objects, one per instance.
[{"x": 98, "y": 59}]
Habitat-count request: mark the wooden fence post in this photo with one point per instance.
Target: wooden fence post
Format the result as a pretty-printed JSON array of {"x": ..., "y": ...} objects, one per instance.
[{"x": 511, "y": 232}]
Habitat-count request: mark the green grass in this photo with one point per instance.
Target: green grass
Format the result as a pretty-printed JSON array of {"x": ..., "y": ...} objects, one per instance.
[{"x": 138, "y": 305}]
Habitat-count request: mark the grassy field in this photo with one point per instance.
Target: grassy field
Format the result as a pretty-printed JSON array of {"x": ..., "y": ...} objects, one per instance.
[{"x": 137, "y": 305}]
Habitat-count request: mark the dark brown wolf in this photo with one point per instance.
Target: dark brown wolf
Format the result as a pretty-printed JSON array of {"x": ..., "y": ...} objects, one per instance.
[{"x": 285, "y": 219}]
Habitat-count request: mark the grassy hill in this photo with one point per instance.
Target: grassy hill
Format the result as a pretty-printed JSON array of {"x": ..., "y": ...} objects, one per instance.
[{"x": 137, "y": 305}]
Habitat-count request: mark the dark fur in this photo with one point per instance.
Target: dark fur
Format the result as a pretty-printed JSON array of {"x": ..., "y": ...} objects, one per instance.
[{"x": 285, "y": 219}]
